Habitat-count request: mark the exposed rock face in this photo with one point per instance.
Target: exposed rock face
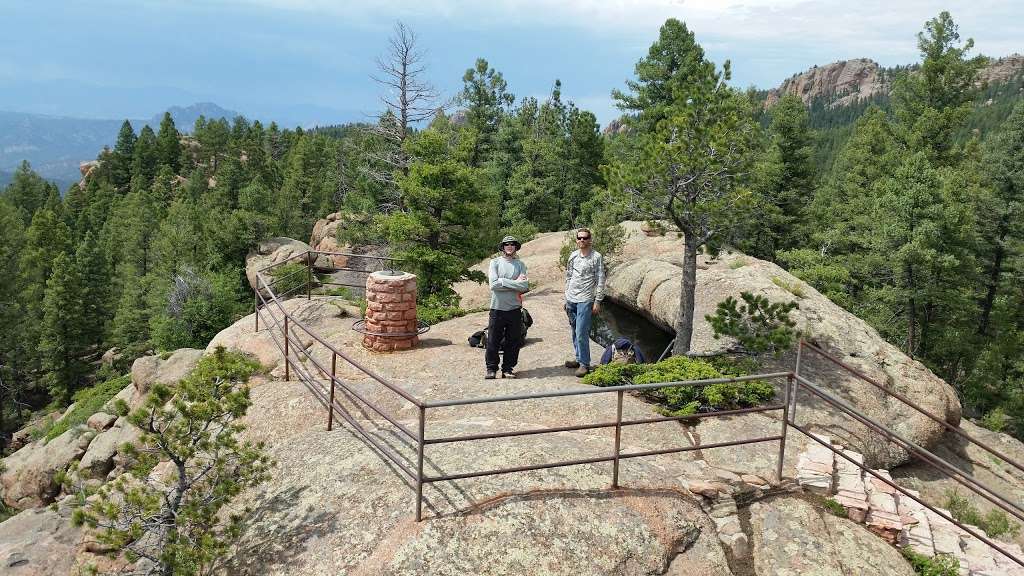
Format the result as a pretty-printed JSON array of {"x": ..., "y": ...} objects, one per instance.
[
  {"x": 39, "y": 542},
  {"x": 560, "y": 521},
  {"x": 1002, "y": 69},
  {"x": 793, "y": 537},
  {"x": 150, "y": 370},
  {"x": 844, "y": 82},
  {"x": 648, "y": 281},
  {"x": 28, "y": 478}
]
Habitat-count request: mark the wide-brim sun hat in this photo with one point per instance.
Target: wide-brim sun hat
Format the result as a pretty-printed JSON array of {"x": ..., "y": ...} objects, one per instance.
[{"x": 509, "y": 240}]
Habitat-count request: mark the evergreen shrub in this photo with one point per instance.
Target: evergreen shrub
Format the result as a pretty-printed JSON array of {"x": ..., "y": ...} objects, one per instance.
[{"x": 683, "y": 400}]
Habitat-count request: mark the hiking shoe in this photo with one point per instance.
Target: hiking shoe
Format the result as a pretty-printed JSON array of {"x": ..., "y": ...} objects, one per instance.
[
  {"x": 582, "y": 371},
  {"x": 509, "y": 374},
  {"x": 572, "y": 364},
  {"x": 490, "y": 375}
]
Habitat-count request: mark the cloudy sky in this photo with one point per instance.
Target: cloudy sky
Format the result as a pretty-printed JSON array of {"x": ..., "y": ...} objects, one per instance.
[{"x": 309, "y": 61}]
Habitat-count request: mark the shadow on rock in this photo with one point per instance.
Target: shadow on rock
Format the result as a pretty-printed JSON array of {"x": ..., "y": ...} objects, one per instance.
[{"x": 279, "y": 530}]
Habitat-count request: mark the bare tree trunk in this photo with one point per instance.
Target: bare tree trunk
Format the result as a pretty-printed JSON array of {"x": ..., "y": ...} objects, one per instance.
[
  {"x": 993, "y": 281},
  {"x": 687, "y": 301}
]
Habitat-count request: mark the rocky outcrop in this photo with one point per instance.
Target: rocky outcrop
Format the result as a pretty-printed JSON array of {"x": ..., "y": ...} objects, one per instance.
[
  {"x": 273, "y": 251},
  {"x": 325, "y": 239},
  {"x": 845, "y": 82},
  {"x": 1002, "y": 69},
  {"x": 791, "y": 536},
  {"x": 29, "y": 476},
  {"x": 647, "y": 280},
  {"x": 842, "y": 83}
]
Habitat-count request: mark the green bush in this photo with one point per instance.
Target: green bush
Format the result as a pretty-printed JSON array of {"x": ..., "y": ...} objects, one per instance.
[
  {"x": 88, "y": 401},
  {"x": 835, "y": 508},
  {"x": 940, "y": 565},
  {"x": 758, "y": 325},
  {"x": 287, "y": 278},
  {"x": 995, "y": 523},
  {"x": 996, "y": 420},
  {"x": 683, "y": 400}
]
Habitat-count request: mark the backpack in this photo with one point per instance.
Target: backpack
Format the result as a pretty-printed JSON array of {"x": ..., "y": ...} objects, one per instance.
[{"x": 479, "y": 338}]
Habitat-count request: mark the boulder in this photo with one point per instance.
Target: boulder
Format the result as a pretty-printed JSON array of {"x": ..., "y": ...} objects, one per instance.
[
  {"x": 791, "y": 536},
  {"x": 149, "y": 370},
  {"x": 98, "y": 459},
  {"x": 28, "y": 478},
  {"x": 100, "y": 421},
  {"x": 648, "y": 281},
  {"x": 273, "y": 251},
  {"x": 325, "y": 239},
  {"x": 39, "y": 542},
  {"x": 111, "y": 356}
]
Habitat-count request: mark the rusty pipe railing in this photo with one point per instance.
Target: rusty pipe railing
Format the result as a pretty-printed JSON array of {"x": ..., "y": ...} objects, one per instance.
[
  {"x": 920, "y": 452},
  {"x": 956, "y": 430}
]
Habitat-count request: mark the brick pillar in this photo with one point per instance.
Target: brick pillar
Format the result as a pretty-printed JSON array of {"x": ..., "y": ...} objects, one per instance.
[{"x": 390, "y": 308}]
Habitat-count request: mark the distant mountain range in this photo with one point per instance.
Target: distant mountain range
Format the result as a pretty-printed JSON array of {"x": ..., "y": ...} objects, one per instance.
[{"x": 55, "y": 145}]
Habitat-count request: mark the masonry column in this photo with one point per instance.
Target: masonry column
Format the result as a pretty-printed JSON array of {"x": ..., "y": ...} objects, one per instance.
[{"x": 390, "y": 312}]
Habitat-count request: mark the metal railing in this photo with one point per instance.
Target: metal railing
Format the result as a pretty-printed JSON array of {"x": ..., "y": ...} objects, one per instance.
[
  {"x": 298, "y": 358},
  {"x": 798, "y": 382}
]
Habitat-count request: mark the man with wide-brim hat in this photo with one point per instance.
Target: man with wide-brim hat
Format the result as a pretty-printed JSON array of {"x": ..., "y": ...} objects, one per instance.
[{"x": 507, "y": 277}]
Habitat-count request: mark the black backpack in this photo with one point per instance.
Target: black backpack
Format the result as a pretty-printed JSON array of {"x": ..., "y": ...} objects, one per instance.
[{"x": 479, "y": 338}]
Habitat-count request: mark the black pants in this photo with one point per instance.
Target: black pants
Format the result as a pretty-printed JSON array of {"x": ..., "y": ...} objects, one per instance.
[{"x": 504, "y": 329}]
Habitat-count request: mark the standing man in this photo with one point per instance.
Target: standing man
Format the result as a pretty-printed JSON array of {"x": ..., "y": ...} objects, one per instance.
[
  {"x": 507, "y": 276},
  {"x": 584, "y": 290}
]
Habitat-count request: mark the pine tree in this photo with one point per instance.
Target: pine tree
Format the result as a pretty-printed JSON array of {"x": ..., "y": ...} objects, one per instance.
[
  {"x": 145, "y": 160},
  {"x": 932, "y": 104},
  {"x": 12, "y": 237},
  {"x": 444, "y": 228},
  {"x": 46, "y": 238},
  {"x": 28, "y": 192},
  {"x": 122, "y": 156},
  {"x": 92, "y": 273},
  {"x": 486, "y": 98},
  {"x": 692, "y": 161},
  {"x": 62, "y": 342},
  {"x": 168, "y": 144}
]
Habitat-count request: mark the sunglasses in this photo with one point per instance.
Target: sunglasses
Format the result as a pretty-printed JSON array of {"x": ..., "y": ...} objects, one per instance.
[{"x": 583, "y": 237}]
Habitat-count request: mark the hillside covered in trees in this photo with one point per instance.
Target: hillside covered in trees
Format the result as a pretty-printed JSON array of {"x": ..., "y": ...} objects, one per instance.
[{"x": 896, "y": 208}]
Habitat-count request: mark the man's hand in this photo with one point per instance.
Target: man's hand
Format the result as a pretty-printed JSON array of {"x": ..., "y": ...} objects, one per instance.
[
  {"x": 522, "y": 277},
  {"x": 595, "y": 308}
]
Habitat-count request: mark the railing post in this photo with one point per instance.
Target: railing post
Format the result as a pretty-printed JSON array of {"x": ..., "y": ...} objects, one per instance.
[
  {"x": 419, "y": 465},
  {"x": 618, "y": 437},
  {"x": 785, "y": 427},
  {"x": 330, "y": 405},
  {"x": 287, "y": 373},
  {"x": 309, "y": 275},
  {"x": 256, "y": 309}
]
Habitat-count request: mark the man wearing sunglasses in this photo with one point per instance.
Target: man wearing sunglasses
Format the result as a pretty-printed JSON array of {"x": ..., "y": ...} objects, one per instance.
[
  {"x": 584, "y": 290},
  {"x": 507, "y": 276}
]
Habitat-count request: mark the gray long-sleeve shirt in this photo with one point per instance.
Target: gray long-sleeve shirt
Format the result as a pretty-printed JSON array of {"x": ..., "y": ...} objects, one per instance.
[
  {"x": 584, "y": 277},
  {"x": 505, "y": 289}
]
